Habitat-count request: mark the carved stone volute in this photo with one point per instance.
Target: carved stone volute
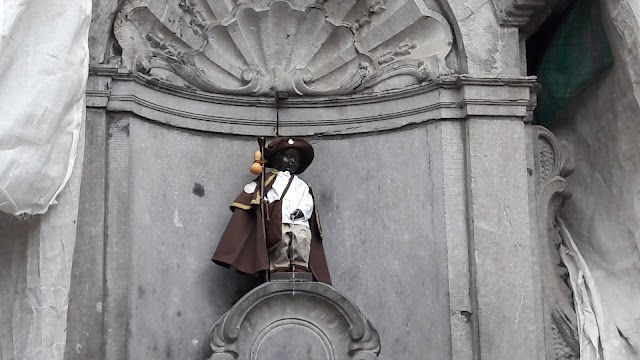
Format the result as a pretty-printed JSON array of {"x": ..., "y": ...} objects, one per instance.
[{"x": 553, "y": 163}]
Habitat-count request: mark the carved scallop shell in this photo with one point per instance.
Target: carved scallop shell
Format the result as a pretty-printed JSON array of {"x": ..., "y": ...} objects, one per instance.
[{"x": 299, "y": 47}]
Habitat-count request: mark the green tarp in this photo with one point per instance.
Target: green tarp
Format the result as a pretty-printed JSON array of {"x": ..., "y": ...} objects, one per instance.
[{"x": 578, "y": 52}]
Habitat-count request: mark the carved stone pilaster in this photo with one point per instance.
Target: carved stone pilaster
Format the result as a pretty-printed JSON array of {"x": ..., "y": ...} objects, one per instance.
[
  {"x": 553, "y": 163},
  {"x": 293, "y": 320}
]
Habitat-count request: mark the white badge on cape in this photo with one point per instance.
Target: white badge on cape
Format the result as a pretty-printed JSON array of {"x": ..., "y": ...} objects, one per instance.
[{"x": 250, "y": 187}]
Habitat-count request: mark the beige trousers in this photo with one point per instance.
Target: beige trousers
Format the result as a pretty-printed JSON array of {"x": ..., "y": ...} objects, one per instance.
[{"x": 294, "y": 248}]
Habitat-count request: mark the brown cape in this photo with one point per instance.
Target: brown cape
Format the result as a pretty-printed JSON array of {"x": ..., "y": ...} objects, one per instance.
[{"x": 243, "y": 245}]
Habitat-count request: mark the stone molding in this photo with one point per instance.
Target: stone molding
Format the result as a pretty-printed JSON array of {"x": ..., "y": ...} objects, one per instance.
[
  {"x": 527, "y": 15},
  {"x": 518, "y": 12},
  {"x": 336, "y": 326},
  {"x": 447, "y": 98},
  {"x": 554, "y": 163},
  {"x": 300, "y": 47}
]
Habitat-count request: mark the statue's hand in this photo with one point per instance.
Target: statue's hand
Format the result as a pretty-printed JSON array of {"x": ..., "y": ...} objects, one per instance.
[{"x": 297, "y": 215}]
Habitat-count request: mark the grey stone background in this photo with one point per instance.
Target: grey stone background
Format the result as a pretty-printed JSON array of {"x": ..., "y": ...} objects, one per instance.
[{"x": 375, "y": 196}]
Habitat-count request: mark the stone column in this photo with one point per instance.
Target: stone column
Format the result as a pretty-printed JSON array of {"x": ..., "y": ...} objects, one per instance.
[
  {"x": 85, "y": 315},
  {"x": 505, "y": 279}
]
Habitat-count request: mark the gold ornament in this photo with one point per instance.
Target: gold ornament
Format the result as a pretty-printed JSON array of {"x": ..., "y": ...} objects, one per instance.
[{"x": 256, "y": 167}]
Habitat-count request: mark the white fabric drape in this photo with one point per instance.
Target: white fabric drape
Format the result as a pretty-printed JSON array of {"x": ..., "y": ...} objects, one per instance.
[
  {"x": 598, "y": 334},
  {"x": 35, "y": 271},
  {"x": 43, "y": 71}
]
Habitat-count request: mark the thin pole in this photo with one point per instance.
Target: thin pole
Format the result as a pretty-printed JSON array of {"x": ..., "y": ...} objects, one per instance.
[
  {"x": 277, "y": 115},
  {"x": 263, "y": 213}
]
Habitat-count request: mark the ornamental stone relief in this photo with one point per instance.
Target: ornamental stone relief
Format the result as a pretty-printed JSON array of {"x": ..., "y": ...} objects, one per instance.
[
  {"x": 554, "y": 163},
  {"x": 294, "y": 320},
  {"x": 300, "y": 47}
]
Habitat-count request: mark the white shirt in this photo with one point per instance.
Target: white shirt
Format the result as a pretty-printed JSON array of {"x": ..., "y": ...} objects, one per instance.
[{"x": 297, "y": 197}]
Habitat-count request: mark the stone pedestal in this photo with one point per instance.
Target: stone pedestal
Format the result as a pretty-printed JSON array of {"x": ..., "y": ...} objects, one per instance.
[{"x": 294, "y": 320}]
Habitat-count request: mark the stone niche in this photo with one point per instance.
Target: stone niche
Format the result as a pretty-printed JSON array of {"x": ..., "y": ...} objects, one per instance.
[
  {"x": 381, "y": 225},
  {"x": 372, "y": 85}
]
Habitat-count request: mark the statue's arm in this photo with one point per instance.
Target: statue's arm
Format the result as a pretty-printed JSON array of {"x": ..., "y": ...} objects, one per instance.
[{"x": 305, "y": 207}]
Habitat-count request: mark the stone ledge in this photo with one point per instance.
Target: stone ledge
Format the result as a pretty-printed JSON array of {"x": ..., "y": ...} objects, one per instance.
[
  {"x": 447, "y": 98},
  {"x": 291, "y": 277},
  {"x": 527, "y": 15}
]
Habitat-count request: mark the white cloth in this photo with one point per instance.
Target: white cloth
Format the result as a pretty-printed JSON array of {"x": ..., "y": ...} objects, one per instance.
[
  {"x": 35, "y": 277},
  {"x": 597, "y": 332},
  {"x": 297, "y": 197},
  {"x": 44, "y": 58}
]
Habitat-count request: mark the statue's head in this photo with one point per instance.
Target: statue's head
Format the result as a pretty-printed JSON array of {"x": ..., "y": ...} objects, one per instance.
[
  {"x": 287, "y": 160},
  {"x": 289, "y": 154}
]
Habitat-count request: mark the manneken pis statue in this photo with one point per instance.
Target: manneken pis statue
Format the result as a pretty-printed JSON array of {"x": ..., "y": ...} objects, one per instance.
[{"x": 278, "y": 232}]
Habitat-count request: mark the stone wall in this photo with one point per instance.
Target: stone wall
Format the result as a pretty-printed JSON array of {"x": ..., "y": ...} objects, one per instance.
[{"x": 381, "y": 229}]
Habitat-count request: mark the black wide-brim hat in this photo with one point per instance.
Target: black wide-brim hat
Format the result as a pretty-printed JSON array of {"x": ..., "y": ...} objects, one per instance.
[{"x": 283, "y": 143}]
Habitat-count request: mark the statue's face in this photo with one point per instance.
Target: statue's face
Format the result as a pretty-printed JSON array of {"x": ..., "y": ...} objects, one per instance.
[{"x": 287, "y": 160}]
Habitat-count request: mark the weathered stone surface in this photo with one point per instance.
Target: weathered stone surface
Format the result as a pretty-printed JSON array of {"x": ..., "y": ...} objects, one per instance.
[
  {"x": 454, "y": 97},
  {"x": 297, "y": 47},
  {"x": 291, "y": 320},
  {"x": 147, "y": 161},
  {"x": 450, "y": 187},
  {"x": 505, "y": 266},
  {"x": 527, "y": 14},
  {"x": 379, "y": 228},
  {"x": 554, "y": 162},
  {"x": 85, "y": 315},
  {"x": 488, "y": 47},
  {"x": 103, "y": 13}
]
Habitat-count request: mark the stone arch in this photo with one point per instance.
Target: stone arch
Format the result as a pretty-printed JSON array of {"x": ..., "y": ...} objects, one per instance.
[
  {"x": 448, "y": 13},
  {"x": 491, "y": 44}
]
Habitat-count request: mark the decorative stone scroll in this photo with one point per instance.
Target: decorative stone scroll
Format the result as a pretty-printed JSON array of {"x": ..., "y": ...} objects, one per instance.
[
  {"x": 300, "y": 47},
  {"x": 554, "y": 163},
  {"x": 294, "y": 320}
]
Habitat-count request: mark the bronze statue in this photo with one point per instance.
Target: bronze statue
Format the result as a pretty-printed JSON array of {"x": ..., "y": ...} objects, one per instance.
[{"x": 280, "y": 230}]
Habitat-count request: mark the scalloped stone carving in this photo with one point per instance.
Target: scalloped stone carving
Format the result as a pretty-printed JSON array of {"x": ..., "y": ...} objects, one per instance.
[
  {"x": 287, "y": 320},
  {"x": 300, "y": 47}
]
